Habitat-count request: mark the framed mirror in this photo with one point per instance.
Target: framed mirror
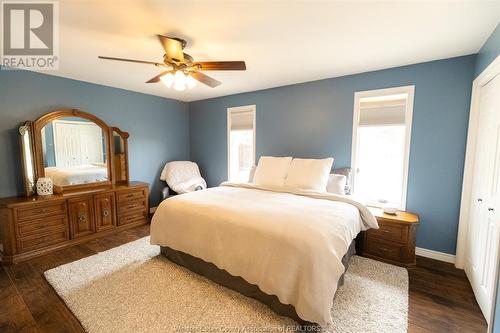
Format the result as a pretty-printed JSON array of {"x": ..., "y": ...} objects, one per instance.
[
  {"x": 27, "y": 157},
  {"x": 120, "y": 153},
  {"x": 73, "y": 149}
]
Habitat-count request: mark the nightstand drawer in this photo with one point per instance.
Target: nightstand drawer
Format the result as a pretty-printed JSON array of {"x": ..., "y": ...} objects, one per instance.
[
  {"x": 384, "y": 249},
  {"x": 390, "y": 231}
]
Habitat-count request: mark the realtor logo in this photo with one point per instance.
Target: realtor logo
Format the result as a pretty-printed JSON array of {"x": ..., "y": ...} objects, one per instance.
[{"x": 30, "y": 35}]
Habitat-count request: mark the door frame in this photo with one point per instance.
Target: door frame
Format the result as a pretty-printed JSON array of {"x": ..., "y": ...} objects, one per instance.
[{"x": 463, "y": 227}]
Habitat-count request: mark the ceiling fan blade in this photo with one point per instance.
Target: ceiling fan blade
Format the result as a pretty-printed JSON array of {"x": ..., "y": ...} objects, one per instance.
[
  {"x": 221, "y": 65},
  {"x": 173, "y": 48},
  {"x": 211, "y": 82},
  {"x": 157, "y": 77},
  {"x": 132, "y": 60},
  {"x": 188, "y": 58}
]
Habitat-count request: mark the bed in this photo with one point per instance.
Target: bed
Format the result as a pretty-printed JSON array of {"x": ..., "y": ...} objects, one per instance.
[
  {"x": 288, "y": 244},
  {"x": 77, "y": 175}
]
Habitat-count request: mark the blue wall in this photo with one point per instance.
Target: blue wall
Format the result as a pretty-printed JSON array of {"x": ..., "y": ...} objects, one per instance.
[
  {"x": 488, "y": 53},
  {"x": 314, "y": 119},
  {"x": 158, "y": 127},
  {"x": 496, "y": 319}
]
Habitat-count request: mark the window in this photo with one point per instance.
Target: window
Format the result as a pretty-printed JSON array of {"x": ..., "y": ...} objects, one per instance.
[
  {"x": 241, "y": 142},
  {"x": 381, "y": 145}
]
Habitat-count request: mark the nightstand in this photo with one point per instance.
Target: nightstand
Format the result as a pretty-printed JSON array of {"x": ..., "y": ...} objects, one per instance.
[{"x": 394, "y": 241}]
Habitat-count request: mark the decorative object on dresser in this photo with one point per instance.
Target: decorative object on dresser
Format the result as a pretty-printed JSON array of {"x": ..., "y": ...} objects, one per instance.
[
  {"x": 44, "y": 186},
  {"x": 395, "y": 240},
  {"x": 93, "y": 194}
]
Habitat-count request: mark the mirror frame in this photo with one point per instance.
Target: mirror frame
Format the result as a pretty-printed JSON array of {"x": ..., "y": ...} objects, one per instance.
[
  {"x": 38, "y": 151},
  {"x": 124, "y": 136}
]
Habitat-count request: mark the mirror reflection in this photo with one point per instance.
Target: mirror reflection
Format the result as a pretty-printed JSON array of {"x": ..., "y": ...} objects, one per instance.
[
  {"x": 120, "y": 166},
  {"x": 27, "y": 156},
  {"x": 74, "y": 151}
]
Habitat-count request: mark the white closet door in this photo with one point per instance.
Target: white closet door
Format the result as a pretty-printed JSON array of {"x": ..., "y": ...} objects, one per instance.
[
  {"x": 91, "y": 143},
  {"x": 484, "y": 226},
  {"x": 66, "y": 145},
  {"x": 77, "y": 143}
]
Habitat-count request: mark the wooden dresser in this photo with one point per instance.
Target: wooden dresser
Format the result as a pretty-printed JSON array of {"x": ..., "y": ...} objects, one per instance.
[
  {"x": 31, "y": 226},
  {"x": 395, "y": 240}
]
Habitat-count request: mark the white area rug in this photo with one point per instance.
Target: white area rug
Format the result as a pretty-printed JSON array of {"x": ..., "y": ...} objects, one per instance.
[{"x": 132, "y": 288}]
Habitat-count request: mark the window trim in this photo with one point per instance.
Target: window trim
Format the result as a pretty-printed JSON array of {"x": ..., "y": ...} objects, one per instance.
[
  {"x": 236, "y": 109},
  {"x": 410, "y": 90}
]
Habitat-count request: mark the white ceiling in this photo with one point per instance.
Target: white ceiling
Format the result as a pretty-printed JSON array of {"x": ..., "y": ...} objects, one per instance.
[{"x": 282, "y": 42}]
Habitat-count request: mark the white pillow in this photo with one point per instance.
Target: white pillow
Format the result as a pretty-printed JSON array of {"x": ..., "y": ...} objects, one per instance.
[
  {"x": 309, "y": 174},
  {"x": 271, "y": 171},
  {"x": 336, "y": 183}
]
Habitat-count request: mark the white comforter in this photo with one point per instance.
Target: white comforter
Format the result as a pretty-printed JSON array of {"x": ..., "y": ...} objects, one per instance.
[
  {"x": 77, "y": 175},
  {"x": 290, "y": 244}
]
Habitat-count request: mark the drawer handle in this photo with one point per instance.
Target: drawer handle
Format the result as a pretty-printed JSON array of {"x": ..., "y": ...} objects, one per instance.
[
  {"x": 130, "y": 195},
  {"x": 131, "y": 206},
  {"x": 82, "y": 218},
  {"x": 42, "y": 240},
  {"x": 385, "y": 231},
  {"x": 105, "y": 212},
  {"x": 384, "y": 249}
]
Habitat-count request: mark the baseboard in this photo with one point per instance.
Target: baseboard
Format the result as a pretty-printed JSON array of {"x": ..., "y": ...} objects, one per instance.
[
  {"x": 152, "y": 210},
  {"x": 435, "y": 255}
]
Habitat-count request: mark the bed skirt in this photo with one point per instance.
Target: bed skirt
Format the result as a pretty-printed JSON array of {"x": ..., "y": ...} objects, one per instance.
[{"x": 238, "y": 284}]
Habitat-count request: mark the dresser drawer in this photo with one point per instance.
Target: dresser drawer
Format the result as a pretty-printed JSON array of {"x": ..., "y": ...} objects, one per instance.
[
  {"x": 131, "y": 194},
  {"x": 384, "y": 249},
  {"x": 135, "y": 217},
  {"x": 126, "y": 207},
  {"x": 390, "y": 231},
  {"x": 34, "y": 242},
  {"x": 40, "y": 226},
  {"x": 40, "y": 211}
]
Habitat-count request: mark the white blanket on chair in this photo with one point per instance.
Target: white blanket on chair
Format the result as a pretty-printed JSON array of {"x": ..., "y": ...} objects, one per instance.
[{"x": 183, "y": 176}]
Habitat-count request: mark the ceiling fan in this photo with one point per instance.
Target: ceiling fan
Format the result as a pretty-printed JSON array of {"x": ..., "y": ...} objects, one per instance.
[{"x": 181, "y": 70}]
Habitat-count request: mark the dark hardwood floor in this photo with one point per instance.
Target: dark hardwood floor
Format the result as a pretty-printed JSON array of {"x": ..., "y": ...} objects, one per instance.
[{"x": 441, "y": 298}]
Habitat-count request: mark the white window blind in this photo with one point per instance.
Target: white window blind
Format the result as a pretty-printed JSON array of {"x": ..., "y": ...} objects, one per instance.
[
  {"x": 242, "y": 120},
  {"x": 382, "y": 112}
]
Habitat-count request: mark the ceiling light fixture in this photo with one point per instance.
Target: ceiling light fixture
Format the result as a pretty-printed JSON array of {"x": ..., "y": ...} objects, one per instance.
[
  {"x": 191, "y": 82},
  {"x": 179, "y": 80},
  {"x": 167, "y": 79}
]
